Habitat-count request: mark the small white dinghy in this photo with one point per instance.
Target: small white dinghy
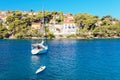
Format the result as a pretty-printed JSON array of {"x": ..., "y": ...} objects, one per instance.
[{"x": 40, "y": 69}]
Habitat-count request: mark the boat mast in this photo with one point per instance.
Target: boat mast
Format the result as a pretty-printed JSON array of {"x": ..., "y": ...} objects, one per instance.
[{"x": 43, "y": 25}]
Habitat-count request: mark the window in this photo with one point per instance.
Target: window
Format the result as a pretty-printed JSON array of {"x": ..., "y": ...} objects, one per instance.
[
  {"x": 69, "y": 27},
  {"x": 65, "y": 27},
  {"x": 73, "y": 27}
]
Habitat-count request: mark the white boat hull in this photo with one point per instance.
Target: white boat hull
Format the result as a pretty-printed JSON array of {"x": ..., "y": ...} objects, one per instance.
[{"x": 39, "y": 51}]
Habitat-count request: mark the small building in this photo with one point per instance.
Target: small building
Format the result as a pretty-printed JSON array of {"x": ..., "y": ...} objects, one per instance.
[
  {"x": 69, "y": 26},
  {"x": 2, "y": 17},
  {"x": 98, "y": 23},
  {"x": 56, "y": 29},
  {"x": 113, "y": 22},
  {"x": 36, "y": 25}
]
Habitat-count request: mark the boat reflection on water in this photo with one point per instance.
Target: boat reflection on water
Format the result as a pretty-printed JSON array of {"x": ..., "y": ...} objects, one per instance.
[
  {"x": 35, "y": 62},
  {"x": 35, "y": 59}
]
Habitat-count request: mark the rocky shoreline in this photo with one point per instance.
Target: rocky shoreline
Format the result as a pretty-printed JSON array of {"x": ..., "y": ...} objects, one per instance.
[{"x": 79, "y": 38}]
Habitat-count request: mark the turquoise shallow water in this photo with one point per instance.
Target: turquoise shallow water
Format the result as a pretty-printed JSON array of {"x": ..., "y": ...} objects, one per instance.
[{"x": 65, "y": 60}]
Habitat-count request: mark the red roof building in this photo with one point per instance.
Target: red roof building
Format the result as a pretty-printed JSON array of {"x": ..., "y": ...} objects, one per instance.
[{"x": 69, "y": 24}]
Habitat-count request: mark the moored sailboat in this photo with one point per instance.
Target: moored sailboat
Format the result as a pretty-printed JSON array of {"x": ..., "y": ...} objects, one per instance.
[{"x": 39, "y": 48}]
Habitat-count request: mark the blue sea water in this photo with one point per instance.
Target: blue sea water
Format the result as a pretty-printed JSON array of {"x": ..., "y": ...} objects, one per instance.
[{"x": 65, "y": 60}]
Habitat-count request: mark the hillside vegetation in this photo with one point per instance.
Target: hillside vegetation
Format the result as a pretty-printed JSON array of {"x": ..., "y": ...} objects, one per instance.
[{"x": 18, "y": 25}]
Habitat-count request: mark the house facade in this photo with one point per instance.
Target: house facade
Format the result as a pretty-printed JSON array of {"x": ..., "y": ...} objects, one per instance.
[
  {"x": 3, "y": 15},
  {"x": 69, "y": 26},
  {"x": 57, "y": 29}
]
